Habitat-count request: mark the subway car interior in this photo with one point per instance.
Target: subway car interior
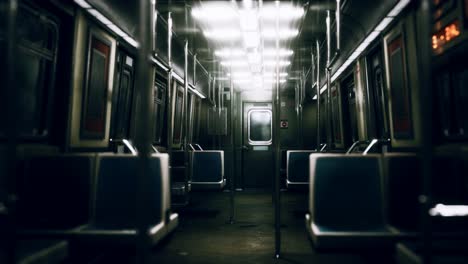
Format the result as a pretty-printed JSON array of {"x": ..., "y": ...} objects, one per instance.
[{"x": 237, "y": 131}]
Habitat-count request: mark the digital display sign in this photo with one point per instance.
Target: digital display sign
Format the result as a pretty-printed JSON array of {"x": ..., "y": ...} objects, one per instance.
[{"x": 445, "y": 35}]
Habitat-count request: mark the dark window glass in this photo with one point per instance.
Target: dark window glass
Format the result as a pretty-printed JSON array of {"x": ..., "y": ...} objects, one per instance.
[
  {"x": 159, "y": 108},
  {"x": 34, "y": 71},
  {"x": 351, "y": 91},
  {"x": 178, "y": 112},
  {"x": 161, "y": 36},
  {"x": 378, "y": 108},
  {"x": 335, "y": 111},
  {"x": 123, "y": 96},
  {"x": 196, "y": 120},
  {"x": 461, "y": 99},
  {"x": 260, "y": 126}
]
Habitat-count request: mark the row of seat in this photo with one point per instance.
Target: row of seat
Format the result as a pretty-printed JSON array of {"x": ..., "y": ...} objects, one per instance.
[
  {"x": 372, "y": 201},
  {"x": 206, "y": 168},
  {"x": 206, "y": 171},
  {"x": 361, "y": 201},
  {"x": 91, "y": 198}
]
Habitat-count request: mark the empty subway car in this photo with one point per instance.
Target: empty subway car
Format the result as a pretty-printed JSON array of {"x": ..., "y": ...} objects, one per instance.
[{"x": 237, "y": 131}]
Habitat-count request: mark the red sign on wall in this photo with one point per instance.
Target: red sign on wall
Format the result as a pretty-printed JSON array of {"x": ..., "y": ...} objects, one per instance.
[{"x": 284, "y": 124}]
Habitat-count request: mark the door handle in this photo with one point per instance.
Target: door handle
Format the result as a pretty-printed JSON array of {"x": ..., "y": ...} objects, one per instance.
[{"x": 245, "y": 147}]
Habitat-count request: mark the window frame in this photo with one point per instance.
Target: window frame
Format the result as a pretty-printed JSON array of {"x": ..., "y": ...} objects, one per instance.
[{"x": 259, "y": 142}]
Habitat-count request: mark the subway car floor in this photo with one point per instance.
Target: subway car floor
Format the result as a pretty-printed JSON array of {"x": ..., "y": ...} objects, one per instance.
[{"x": 204, "y": 236}]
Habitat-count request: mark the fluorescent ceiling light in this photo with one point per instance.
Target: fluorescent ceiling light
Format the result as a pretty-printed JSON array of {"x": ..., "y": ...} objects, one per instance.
[
  {"x": 83, "y": 4},
  {"x": 195, "y": 91},
  {"x": 283, "y": 12},
  {"x": 223, "y": 34},
  {"x": 104, "y": 20},
  {"x": 234, "y": 63},
  {"x": 321, "y": 91},
  {"x": 372, "y": 36},
  {"x": 100, "y": 17},
  {"x": 229, "y": 53},
  {"x": 275, "y": 52},
  {"x": 398, "y": 8},
  {"x": 257, "y": 79},
  {"x": 248, "y": 20},
  {"x": 274, "y": 80},
  {"x": 117, "y": 30},
  {"x": 271, "y": 74},
  {"x": 274, "y": 63},
  {"x": 251, "y": 39},
  {"x": 362, "y": 47},
  {"x": 177, "y": 77},
  {"x": 256, "y": 68},
  {"x": 383, "y": 25},
  {"x": 271, "y": 33},
  {"x": 239, "y": 74},
  {"x": 131, "y": 41},
  {"x": 254, "y": 58},
  {"x": 247, "y": 4},
  {"x": 242, "y": 80},
  {"x": 159, "y": 64},
  {"x": 214, "y": 12}
]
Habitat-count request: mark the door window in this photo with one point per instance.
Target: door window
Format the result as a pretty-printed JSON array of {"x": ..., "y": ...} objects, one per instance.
[{"x": 259, "y": 127}]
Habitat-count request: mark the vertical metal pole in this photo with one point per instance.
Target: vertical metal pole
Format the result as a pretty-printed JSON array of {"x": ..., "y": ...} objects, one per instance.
[
  {"x": 144, "y": 80},
  {"x": 276, "y": 137},
  {"x": 233, "y": 149},
  {"x": 425, "y": 104},
  {"x": 328, "y": 75},
  {"x": 219, "y": 125},
  {"x": 169, "y": 38},
  {"x": 338, "y": 25},
  {"x": 7, "y": 177},
  {"x": 317, "y": 88},
  {"x": 195, "y": 69},
  {"x": 169, "y": 115},
  {"x": 186, "y": 121},
  {"x": 212, "y": 124}
]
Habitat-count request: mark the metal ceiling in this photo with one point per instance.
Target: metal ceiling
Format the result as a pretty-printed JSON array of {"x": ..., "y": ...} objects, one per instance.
[{"x": 358, "y": 19}]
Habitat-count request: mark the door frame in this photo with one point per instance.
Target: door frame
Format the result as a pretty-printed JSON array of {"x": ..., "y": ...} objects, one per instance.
[{"x": 267, "y": 105}]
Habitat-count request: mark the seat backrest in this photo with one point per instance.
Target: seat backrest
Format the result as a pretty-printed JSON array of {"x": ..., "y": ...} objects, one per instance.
[
  {"x": 163, "y": 160},
  {"x": 55, "y": 190},
  {"x": 297, "y": 168},
  {"x": 346, "y": 191},
  {"x": 403, "y": 181},
  {"x": 115, "y": 194},
  {"x": 177, "y": 158},
  {"x": 207, "y": 166}
]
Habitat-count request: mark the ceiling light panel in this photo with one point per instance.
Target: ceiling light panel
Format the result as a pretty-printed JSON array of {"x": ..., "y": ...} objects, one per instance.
[
  {"x": 241, "y": 29},
  {"x": 215, "y": 12},
  {"x": 283, "y": 33},
  {"x": 284, "y": 12},
  {"x": 274, "y": 52},
  {"x": 228, "y": 53},
  {"x": 248, "y": 20},
  {"x": 223, "y": 34}
]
